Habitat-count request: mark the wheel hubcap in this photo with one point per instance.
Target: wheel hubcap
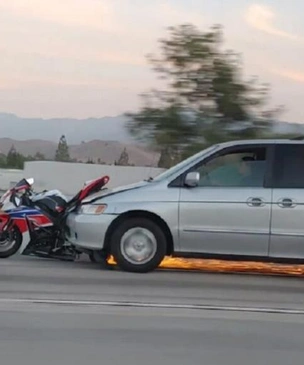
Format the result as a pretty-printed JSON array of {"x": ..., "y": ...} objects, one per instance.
[
  {"x": 138, "y": 245},
  {"x": 7, "y": 241}
]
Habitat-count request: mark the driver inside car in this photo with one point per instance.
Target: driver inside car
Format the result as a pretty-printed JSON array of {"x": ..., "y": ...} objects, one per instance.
[{"x": 234, "y": 174}]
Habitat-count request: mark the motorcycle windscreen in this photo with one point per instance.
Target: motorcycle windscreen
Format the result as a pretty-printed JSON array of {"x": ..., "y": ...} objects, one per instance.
[{"x": 22, "y": 184}]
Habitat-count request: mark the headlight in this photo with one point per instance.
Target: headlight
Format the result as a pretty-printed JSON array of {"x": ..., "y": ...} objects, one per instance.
[{"x": 92, "y": 209}]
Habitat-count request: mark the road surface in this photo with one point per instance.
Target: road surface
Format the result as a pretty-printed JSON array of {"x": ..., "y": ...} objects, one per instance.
[{"x": 54, "y": 313}]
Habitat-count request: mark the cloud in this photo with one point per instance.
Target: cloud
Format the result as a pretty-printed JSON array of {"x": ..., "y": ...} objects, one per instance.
[
  {"x": 92, "y": 13},
  {"x": 37, "y": 69},
  {"x": 262, "y": 17},
  {"x": 92, "y": 20},
  {"x": 62, "y": 53},
  {"x": 23, "y": 82},
  {"x": 119, "y": 16},
  {"x": 85, "y": 27},
  {"x": 166, "y": 12},
  {"x": 289, "y": 74}
]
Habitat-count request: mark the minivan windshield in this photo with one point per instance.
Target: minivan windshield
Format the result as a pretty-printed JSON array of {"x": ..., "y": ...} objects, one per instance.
[{"x": 174, "y": 169}]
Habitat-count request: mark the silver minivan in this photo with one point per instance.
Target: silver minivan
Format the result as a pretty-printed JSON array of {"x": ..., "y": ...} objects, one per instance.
[{"x": 235, "y": 200}]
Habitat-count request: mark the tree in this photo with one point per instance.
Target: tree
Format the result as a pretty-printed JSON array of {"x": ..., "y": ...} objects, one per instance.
[
  {"x": 39, "y": 156},
  {"x": 206, "y": 99},
  {"x": 2, "y": 160},
  {"x": 123, "y": 158},
  {"x": 62, "y": 152},
  {"x": 100, "y": 161},
  {"x": 14, "y": 159},
  {"x": 167, "y": 158},
  {"x": 90, "y": 161}
]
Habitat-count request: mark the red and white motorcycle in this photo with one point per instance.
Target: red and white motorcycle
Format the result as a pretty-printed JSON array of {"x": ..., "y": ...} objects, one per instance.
[{"x": 35, "y": 223}]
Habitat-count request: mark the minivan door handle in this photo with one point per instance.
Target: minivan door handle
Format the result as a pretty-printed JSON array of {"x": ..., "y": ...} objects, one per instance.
[
  {"x": 286, "y": 203},
  {"x": 255, "y": 202}
]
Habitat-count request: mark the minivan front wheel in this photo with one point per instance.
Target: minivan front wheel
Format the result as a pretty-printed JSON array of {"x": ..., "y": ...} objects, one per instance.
[{"x": 138, "y": 245}]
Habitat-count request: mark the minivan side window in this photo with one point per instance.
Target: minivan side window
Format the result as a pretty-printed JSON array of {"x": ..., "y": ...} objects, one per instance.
[
  {"x": 237, "y": 168},
  {"x": 288, "y": 169}
]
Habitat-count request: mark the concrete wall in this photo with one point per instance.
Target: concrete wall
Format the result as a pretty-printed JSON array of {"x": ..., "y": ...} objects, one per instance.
[
  {"x": 8, "y": 177},
  {"x": 70, "y": 177}
]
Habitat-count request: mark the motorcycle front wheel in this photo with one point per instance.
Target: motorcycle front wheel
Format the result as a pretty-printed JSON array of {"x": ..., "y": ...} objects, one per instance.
[
  {"x": 97, "y": 256},
  {"x": 100, "y": 258},
  {"x": 10, "y": 242}
]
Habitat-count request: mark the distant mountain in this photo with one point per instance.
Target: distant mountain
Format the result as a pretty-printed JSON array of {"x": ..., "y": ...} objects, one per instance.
[
  {"x": 285, "y": 128},
  {"x": 75, "y": 130},
  {"x": 104, "y": 151},
  {"x": 92, "y": 138},
  {"x": 78, "y": 130}
]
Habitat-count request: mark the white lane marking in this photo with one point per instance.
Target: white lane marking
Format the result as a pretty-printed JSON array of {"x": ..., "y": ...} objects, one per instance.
[{"x": 152, "y": 305}]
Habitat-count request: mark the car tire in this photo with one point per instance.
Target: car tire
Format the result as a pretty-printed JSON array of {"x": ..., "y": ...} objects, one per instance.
[
  {"x": 135, "y": 237},
  {"x": 10, "y": 246},
  {"x": 93, "y": 257},
  {"x": 100, "y": 257}
]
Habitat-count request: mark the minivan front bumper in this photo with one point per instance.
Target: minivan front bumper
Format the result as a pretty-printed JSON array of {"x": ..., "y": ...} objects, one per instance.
[{"x": 87, "y": 230}]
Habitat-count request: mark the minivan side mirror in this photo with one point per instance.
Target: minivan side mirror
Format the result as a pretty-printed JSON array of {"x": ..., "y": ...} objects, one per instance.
[{"x": 192, "y": 179}]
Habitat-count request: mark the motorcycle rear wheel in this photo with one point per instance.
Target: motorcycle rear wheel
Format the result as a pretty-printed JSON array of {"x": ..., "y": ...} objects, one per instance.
[{"x": 10, "y": 242}]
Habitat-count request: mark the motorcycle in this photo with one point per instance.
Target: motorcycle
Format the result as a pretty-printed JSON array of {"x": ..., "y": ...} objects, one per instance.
[
  {"x": 11, "y": 235},
  {"x": 35, "y": 223}
]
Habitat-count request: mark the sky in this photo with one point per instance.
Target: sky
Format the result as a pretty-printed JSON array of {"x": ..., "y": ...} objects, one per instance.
[{"x": 87, "y": 58}]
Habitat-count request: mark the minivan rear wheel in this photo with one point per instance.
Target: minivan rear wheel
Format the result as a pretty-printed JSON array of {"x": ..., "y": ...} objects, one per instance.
[{"x": 138, "y": 245}]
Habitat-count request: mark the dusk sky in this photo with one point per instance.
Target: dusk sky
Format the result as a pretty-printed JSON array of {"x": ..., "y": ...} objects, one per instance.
[{"x": 86, "y": 58}]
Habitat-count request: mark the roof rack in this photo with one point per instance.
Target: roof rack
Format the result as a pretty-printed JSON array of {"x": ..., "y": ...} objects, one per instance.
[{"x": 298, "y": 138}]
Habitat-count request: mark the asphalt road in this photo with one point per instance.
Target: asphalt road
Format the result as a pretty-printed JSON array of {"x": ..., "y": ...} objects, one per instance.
[{"x": 59, "y": 313}]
